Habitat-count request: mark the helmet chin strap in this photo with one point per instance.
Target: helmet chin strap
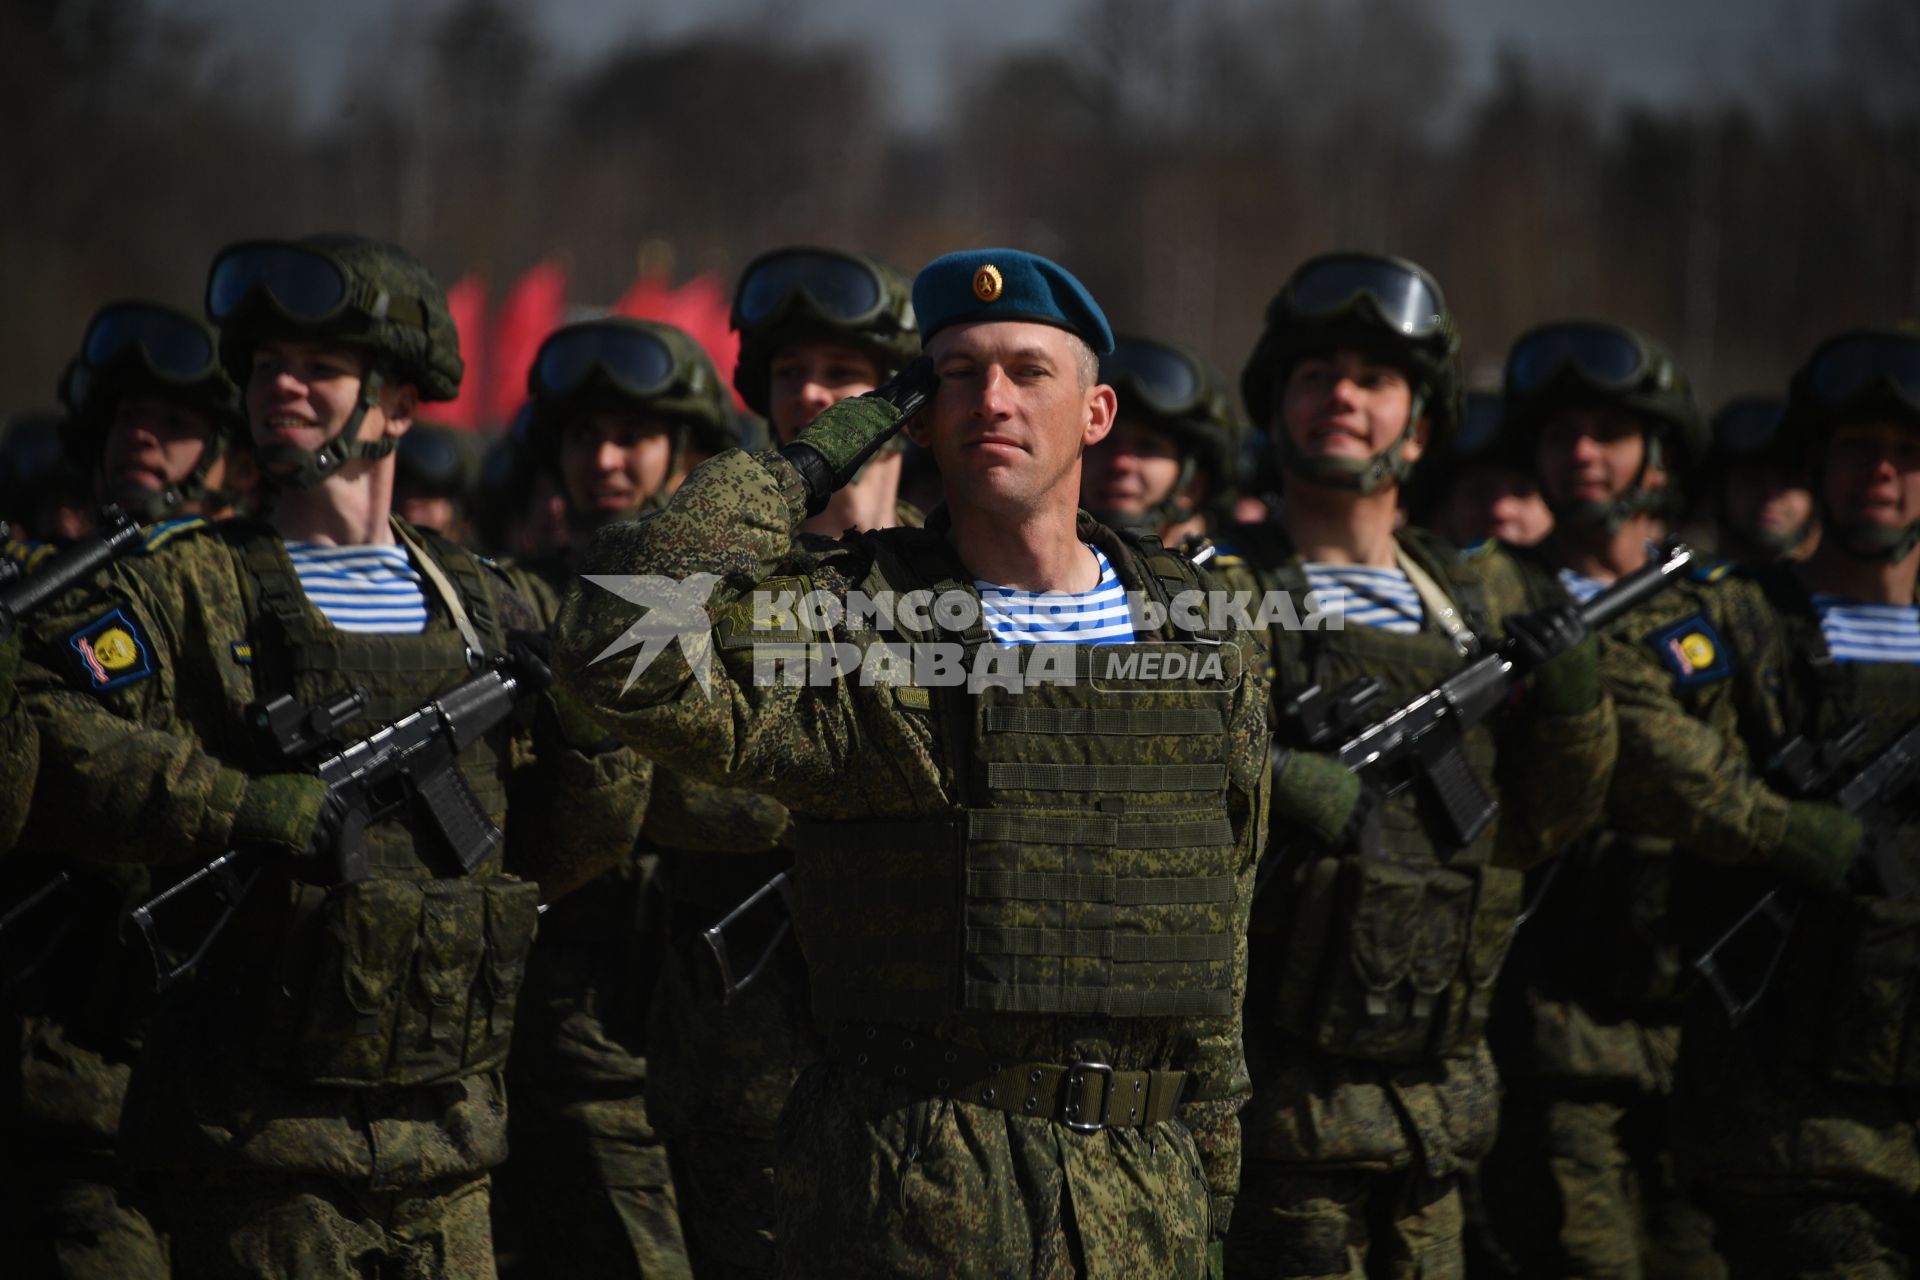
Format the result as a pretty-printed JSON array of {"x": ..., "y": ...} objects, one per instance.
[
  {"x": 1636, "y": 500},
  {"x": 150, "y": 506},
  {"x": 1364, "y": 476},
  {"x": 292, "y": 467},
  {"x": 1876, "y": 542}
]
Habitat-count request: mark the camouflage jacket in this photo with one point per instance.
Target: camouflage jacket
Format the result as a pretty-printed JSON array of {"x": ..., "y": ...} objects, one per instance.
[
  {"x": 846, "y": 750},
  {"x": 1549, "y": 774},
  {"x": 146, "y": 758}
]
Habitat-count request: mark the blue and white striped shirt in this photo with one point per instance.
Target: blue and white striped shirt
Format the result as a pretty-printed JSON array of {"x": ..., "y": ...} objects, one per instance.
[
  {"x": 1099, "y": 616},
  {"x": 373, "y": 589},
  {"x": 1859, "y": 632},
  {"x": 1580, "y": 586},
  {"x": 1364, "y": 596}
]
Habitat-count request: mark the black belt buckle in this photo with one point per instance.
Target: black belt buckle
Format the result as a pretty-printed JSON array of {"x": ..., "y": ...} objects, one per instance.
[{"x": 1076, "y": 1076}]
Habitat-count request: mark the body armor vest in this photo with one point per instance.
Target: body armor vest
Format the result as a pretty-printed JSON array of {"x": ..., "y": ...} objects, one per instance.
[
  {"x": 1850, "y": 979},
  {"x": 1387, "y": 953},
  {"x": 1089, "y": 866},
  {"x": 411, "y": 975}
]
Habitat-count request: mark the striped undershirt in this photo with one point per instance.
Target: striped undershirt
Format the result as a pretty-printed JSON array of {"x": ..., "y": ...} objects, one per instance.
[
  {"x": 1580, "y": 586},
  {"x": 1858, "y": 632},
  {"x": 371, "y": 589},
  {"x": 1099, "y": 616},
  {"x": 1365, "y": 596}
]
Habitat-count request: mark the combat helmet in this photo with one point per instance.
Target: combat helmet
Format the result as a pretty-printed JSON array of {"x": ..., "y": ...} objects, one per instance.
[
  {"x": 1389, "y": 308},
  {"x": 341, "y": 288},
  {"x": 1594, "y": 364},
  {"x": 1859, "y": 374},
  {"x": 806, "y": 294},
  {"x": 1170, "y": 388},
  {"x": 134, "y": 347},
  {"x": 617, "y": 362}
]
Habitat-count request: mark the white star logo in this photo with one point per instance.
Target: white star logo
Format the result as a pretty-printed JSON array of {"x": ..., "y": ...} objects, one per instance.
[{"x": 676, "y": 609}]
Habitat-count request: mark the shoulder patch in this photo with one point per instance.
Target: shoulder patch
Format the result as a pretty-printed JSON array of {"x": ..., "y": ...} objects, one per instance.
[
  {"x": 1692, "y": 650},
  {"x": 112, "y": 652},
  {"x": 1710, "y": 570},
  {"x": 1480, "y": 550},
  {"x": 159, "y": 535},
  {"x": 242, "y": 653}
]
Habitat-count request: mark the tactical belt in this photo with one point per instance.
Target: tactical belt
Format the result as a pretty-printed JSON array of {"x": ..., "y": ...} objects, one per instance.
[{"x": 1085, "y": 1096}]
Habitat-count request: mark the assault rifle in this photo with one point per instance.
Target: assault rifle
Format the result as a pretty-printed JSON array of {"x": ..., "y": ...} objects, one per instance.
[
  {"x": 1422, "y": 740},
  {"x": 22, "y": 593},
  {"x": 409, "y": 762},
  {"x": 766, "y": 918},
  {"x": 1809, "y": 768}
]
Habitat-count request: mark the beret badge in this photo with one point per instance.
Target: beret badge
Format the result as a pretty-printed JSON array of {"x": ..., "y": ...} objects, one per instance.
[{"x": 987, "y": 283}]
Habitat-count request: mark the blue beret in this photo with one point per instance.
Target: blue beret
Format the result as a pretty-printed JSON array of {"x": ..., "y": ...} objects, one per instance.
[{"x": 1006, "y": 284}]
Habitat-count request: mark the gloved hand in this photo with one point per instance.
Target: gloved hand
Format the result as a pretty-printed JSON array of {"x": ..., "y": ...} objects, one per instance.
[
  {"x": 1821, "y": 845},
  {"x": 1563, "y": 656},
  {"x": 292, "y": 811},
  {"x": 1319, "y": 793},
  {"x": 531, "y": 653},
  {"x": 838, "y": 443}
]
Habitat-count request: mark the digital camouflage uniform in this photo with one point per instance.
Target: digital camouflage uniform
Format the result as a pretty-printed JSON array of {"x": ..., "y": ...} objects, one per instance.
[
  {"x": 288, "y": 1121},
  {"x": 896, "y": 1175},
  {"x": 587, "y": 1189},
  {"x": 1372, "y": 977},
  {"x": 19, "y": 748},
  {"x": 1586, "y": 1033},
  {"x": 1799, "y": 1126}
]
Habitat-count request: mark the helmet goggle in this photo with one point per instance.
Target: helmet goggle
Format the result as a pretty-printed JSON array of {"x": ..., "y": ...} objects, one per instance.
[
  {"x": 1404, "y": 299},
  {"x": 168, "y": 347},
  {"x": 1164, "y": 380},
  {"x": 630, "y": 360},
  {"x": 1854, "y": 368},
  {"x": 1748, "y": 426},
  {"x": 1479, "y": 426},
  {"x": 839, "y": 288},
  {"x": 1601, "y": 355},
  {"x": 306, "y": 286}
]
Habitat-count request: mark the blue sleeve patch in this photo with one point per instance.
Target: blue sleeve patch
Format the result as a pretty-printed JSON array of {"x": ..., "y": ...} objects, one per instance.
[
  {"x": 1693, "y": 651},
  {"x": 242, "y": 653},
  {"x": 159, "y": 535},
  {"x": 112, "y": 652},
  {"x": 1709, "y": 570},
  {"x": 1481, "y": 549}
]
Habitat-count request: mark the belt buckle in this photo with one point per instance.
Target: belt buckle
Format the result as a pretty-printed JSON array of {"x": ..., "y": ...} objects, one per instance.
[{"x": 1076, "y": 1075}]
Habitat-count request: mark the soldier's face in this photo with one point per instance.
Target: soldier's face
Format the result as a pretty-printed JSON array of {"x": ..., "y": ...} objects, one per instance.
[
  {"x": 1346, "y": 404},
  {"x": 1489, "y": 501},
  {"x": 1873, "y": 473},
  {"x": 1763, "y": 500},
  {"x": 152, "y": 444},
  {"x": 1012, "y": 415},
  {"x": 613, "y": 460},
  {"x": 303, "y": 393},
  {"x": 1132, "y": 471},
  {"x": 808, "y": 376},
  {"x": 1592, "y": 455}
]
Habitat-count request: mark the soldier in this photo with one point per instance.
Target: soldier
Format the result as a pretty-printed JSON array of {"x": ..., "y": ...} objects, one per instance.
[
  {"x": 1581, "y": 1182},
  {"x": 1168, "y": 466},
  {"x": 1473, "y": 487},
  {"x": 155, "y": 421},
  {"x": 153, "y": 416},
  {"x": 975, "y": 871},
  {"x": 817, "y": 326},
  {"x": 430, "y": 481},
  {"x": 1762, "y": 507},
  {"x": 325, "y": 1095},
  {"x": 1379, "y": 935},
  {"x": 613, "y": 403},
  {"x": 1799, "y": 1122}
]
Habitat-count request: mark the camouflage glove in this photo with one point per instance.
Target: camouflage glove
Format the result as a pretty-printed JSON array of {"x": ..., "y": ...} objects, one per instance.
[
  {"x": 1319, "y": 793},
  {"x": 838, "y": 443},
  {"x": 292, "y": 811},
  {"x": 1820, "y": 846},
  {"x": 1564, "y": 657}
]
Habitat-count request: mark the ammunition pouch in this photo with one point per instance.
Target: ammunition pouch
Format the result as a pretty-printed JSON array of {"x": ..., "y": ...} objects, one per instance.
[
  {"x": 397, "y": 982},
  {"x": 1394, "y": 962}
]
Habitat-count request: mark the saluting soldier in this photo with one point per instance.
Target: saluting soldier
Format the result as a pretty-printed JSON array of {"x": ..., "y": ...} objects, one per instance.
[
  {"x": 1022, "y": 907},
  {"x": 1382, "y": 927},
  {"x": 325, "y": 1095}
]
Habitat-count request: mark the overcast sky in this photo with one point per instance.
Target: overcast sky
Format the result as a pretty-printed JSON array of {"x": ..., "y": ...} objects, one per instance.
[{"x": 1660, "y": 51}]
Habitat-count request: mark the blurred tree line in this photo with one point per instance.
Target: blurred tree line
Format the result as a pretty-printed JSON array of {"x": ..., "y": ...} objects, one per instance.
[{"x": 1181, "y": 158}]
